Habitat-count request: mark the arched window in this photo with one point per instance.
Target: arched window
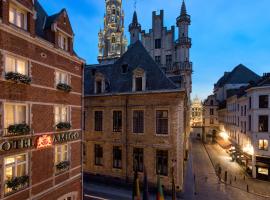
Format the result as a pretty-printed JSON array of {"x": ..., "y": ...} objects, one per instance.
[{"x": 113, "y": 39}]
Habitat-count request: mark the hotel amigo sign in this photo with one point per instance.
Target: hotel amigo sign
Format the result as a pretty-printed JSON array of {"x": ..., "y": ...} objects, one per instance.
[{"x": 38, "y": 142}]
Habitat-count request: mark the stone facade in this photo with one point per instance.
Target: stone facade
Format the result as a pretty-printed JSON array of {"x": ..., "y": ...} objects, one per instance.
[
  {"x": 149, "y": 141},
  {"x": 29, "y": 52},
  {"x": 196, "y": 113},
  {"x": 112, "y": 41}
]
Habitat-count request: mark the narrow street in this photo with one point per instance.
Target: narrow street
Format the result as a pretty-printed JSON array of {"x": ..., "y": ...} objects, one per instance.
[{"x": 207, "y": 186}]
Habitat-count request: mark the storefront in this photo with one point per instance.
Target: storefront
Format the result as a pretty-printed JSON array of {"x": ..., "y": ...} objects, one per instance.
[{"x": 262, "y": 168}]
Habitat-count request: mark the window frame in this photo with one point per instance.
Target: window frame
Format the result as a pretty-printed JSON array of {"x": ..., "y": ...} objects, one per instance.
[
  {"x": 67, "y": 152},
  {"x": 26, "y": 162},
  {"x": 138, "y": 154},
  {"x": 100, "y": 129},
  {"x": 265, "y": 145},
  {"x": 162, "y": 154},
  {"x": 16, "y": 59},
  {"x": 134, "y": 125},
  {"x": 261, "y": 104},
  {"x": 63, "y": 41},
  {"x": 118, "y": 163},
  {"x": 18, "y": 11},
  {"x": 68, "y": 115},
  {"x": 15, "y": 115},
  {"x": 59, "y": 75},
  {"x": 98, "y": 161},
  {"x": 266, "y": 129},
  {"x": 158, "y": 44},
  {"x": 118, "y": 124},
  {"x": 168, "y": 128}
]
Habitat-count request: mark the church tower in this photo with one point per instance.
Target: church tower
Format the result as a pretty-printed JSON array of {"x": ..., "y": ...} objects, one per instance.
[
  {"x": 183, "y": 47},
  {"x": 112, "y": 42},
  {"x": 134, "y": 29}
]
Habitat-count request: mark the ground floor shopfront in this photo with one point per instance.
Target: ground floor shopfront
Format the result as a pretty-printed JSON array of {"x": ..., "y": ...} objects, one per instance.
[
  {"x": 262, "y": 168},
  {"x": 41, "y": 166}
]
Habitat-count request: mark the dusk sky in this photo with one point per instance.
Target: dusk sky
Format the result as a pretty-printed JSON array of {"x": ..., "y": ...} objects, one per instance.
[{"x": 224, "y": 33}]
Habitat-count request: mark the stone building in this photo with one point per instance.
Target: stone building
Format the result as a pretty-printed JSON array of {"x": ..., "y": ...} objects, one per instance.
[
  {"x": 172, "y": 55},
  {"x": 40, "y": 104},
  {"x": 243, "y": 118},
  {"x": 196, "y": 113},
  {"x": 210, "y": 118},
  {"x": 111, "y": 41}
]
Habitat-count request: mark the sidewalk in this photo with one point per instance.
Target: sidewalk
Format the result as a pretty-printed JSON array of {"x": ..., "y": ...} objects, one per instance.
[{"x": 236, "y": 175}]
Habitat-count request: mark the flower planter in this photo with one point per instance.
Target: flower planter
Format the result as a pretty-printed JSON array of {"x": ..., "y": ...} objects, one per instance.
[
  {"x": 64, "y": 87},
  {"x": 17, "y": 182},
  {"x": 63, "y": 126},
  {"x": 62, "y": 165},
  {"x": 18, "y": 78},
  {"x": 18, "y": 129}
]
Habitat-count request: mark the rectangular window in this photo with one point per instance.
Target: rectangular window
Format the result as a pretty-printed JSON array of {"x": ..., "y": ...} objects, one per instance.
[
  {"x": 63, "y": 41},
  {"x": 16, "y": 65},
  {"x": 61, "y": 114},
  {"x": 117, "y": 157},
  {"x": 138, "y": 159},
  {"x": 117, "y": 121},
  {"x": 138, "y": 121},
  {"x": 98, "y": 155},
  {"x": 250, "y": 103},
  {"x": 249, "y": 122},
  {"x": 157, "y": 43},
  {"x": 263, "y": 123},
  {"x": 211, "y": 111},
  {"x": 18, "y": 17},
  {"x": 15, "y": 166},
  {"x": 15, "y": 114},
  {"x": 263, "y": 145},
  {"x": 61, "y": 77},
  {"x": 263, "y": 101},
  {"x": 162, "y": 122},
  {"x": 158, "y": 59},
  {"x": 98, "y": 86},
  {"x": 168, "y": 60},
  {"x": 162, "y": 162},
  {"x": 138, "y": 83},
  {"x": 263, "y": 171},
  {"x": 245, "y": 111},
  {"x": 61, "y": 153},
  {"x": 98, "y": 120},
  {"x": 211, "y": 121}
]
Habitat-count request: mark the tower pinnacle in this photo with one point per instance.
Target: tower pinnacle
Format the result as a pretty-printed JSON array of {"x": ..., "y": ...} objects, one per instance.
[
  {"x": 183, "y": 8},
  {"x": 134, "y": 29}
]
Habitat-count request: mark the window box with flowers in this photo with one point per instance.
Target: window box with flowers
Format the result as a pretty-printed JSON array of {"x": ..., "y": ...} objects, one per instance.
[
  {"x": 63, "y": 126},
  {"x": 18, "y": 78},
  {"x": 62, "y": 166},
  {"x": 18, "y": 129},
  {"x": 64, "y": 87},
  {"x": 17, "y": 183}
]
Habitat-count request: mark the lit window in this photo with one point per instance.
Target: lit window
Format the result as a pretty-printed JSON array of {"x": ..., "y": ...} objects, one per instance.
[
  {"x": 14, "y": 167},
  {"x": 63, "y": 41},
  {"x": 13, "y": 64},
  {"x": 61, "y": 114},
  {"x": 61, "y": 77},
  {"x": 263, "y": 145},
  {"x": 15, "y": 114},
  {"x": 263, "y": 171},
  {"x": 17, "y": 17},
  {"x": 61, "y": 153}
]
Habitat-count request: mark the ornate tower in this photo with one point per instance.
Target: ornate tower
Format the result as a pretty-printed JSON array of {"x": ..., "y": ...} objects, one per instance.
[
  {"x": 183, "y": 47},
  {"x": 112, "y": 42},
  {"x": 134, "y": 29}
]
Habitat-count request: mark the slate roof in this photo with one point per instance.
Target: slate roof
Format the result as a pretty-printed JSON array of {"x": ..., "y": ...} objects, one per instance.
[
  {"x": 239, "y": 75},
  {"x": 118, "y": 82}
]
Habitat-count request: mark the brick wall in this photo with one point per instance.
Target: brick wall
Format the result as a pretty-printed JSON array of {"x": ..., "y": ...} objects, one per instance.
[{"x": 44, "y": 114}]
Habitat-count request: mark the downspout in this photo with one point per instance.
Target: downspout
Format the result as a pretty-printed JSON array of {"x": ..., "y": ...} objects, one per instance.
[
  {"x": 126, "y": 139},
  {"x": 83, "y": 129}
]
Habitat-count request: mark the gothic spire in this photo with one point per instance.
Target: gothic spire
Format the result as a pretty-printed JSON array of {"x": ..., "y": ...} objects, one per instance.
[
  {"x": 135, "y": 18},
  {"x": 183, "y": 8}
]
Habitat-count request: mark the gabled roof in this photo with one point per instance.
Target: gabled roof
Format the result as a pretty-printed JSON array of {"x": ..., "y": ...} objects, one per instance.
[
  {"x": 118, "y": 82},
  {"x": 239, "y": 75}
]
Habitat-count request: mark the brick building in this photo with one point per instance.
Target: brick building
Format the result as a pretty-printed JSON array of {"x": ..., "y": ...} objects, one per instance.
[{"x": 40, "y": 104}]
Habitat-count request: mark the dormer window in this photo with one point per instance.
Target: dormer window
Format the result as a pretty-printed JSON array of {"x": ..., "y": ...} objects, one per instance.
[
  {"x": 17, "y": 16},
  {"x": 63, "y": 41},
  {"x": 138, "y": 80},
  {"x": 99, "y": 84}
]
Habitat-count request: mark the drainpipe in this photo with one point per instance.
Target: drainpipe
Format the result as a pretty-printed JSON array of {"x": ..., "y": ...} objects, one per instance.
[{"x": 126, "y": 139}]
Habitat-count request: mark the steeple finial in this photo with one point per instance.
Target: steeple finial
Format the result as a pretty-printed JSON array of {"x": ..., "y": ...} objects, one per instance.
[
  {"x": 183, "y": 8},
  {"x": 135, "y": 18}
]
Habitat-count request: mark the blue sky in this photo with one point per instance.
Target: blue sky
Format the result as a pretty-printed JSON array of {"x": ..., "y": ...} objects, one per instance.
[{"x": 224, "y": 33}]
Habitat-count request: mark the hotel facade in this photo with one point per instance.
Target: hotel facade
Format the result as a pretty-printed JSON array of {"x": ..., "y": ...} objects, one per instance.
[{"x": 40, "y": 104}]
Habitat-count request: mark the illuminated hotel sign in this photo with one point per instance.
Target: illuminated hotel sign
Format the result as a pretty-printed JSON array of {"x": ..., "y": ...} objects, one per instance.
[{"x": 39, "y": 142}]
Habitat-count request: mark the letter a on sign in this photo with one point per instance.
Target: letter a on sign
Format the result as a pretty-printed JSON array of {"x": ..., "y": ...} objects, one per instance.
[{"x": 44, "y": 141}]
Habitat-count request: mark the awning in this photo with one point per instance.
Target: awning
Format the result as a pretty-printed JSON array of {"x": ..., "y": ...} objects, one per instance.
[{"x": 225, "y": 144}]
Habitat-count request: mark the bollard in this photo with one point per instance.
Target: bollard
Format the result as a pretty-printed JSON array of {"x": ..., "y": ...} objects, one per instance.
[
  {"x": 247, "y": 188},
  {"x": 226, "y": 176}
]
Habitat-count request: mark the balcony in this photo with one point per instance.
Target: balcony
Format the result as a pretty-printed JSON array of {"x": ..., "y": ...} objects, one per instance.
[{"x": 180, "y": 67}]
